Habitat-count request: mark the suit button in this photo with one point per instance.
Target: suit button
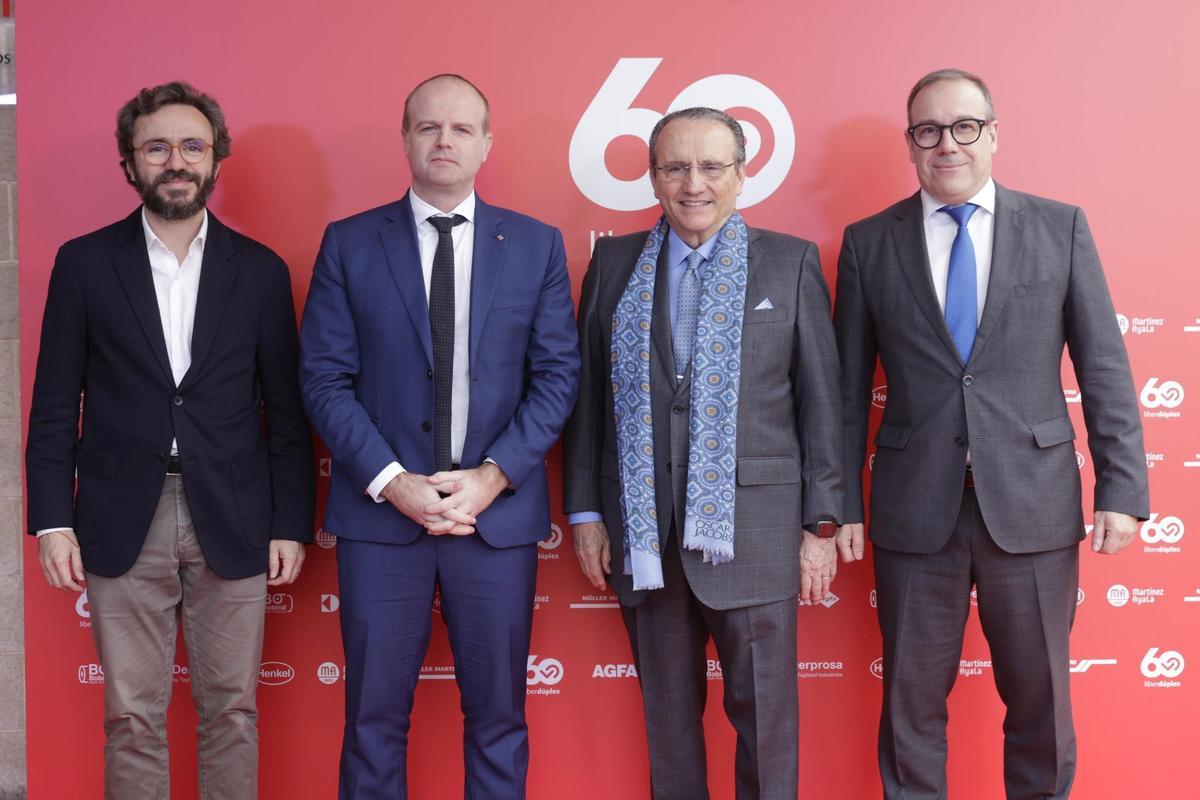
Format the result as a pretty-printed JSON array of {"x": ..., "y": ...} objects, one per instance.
[
  {"x": 968, "y": 380},
  {"x": 429, "y": 374},
  {"x": 668, "y": 466},
  {"x": 678, "y": 409},
  {"x": 958, "y": 440},
  {"x": 427, "y": 426},
  {"x": 177, "y": 400},
  {"x": 160, "y": 458}
]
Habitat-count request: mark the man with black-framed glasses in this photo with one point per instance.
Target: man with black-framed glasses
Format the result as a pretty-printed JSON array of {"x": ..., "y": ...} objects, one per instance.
[
  {"x": 967, "y": 293},
  {"x": 174, "y": 502}
]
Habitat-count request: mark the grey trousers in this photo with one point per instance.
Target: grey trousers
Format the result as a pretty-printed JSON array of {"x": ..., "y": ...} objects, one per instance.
[{"x": 134, "y": 623}]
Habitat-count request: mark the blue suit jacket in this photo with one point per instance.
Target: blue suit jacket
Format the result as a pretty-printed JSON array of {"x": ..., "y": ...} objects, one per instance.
[{"x": 366, "y": 365}]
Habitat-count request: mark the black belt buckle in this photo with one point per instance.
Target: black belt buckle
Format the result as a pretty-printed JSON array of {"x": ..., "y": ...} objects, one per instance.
[
  {"x": 969, "y": 479},
  {"x": 174, "y": 466}
]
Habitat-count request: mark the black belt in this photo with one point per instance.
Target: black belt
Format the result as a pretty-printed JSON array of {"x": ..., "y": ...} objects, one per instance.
[
  {"x": 174, "y": 467},
  {"x": 969, "y": 479}
]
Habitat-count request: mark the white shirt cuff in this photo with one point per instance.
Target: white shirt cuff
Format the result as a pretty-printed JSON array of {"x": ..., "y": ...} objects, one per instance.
[
  {"x": 44, "y": 531},
  {"x": 382, "y": 480}
]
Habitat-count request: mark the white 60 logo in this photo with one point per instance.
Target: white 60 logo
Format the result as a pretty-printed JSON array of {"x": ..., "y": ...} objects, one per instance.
[
  {"x": 1168, "y": 530},
  {"x": 1168, "y": 665},
  {"x": 1168, "y": 394},
  {"x": 611, "y": 115},
  {"x": 548, "y": 671}
]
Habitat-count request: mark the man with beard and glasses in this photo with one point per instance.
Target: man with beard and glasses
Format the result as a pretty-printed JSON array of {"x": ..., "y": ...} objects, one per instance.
[{"x": 173, "y": 500}]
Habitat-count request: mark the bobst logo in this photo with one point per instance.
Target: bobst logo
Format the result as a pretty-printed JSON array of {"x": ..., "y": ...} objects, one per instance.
[
  {"x": 611, "y": 115},
  {"x": 1168, "y": 664},
  {"x": 1167, "y": 394},
  {"x": 90, "y": 674},
  {"x": 548, "y": 671},
  {"x": 275, "y": 673},
  {"x": 879, "y": 396}
]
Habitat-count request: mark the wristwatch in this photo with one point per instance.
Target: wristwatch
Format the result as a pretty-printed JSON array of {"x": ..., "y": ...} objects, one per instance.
[{"x": 826, "y": 529}]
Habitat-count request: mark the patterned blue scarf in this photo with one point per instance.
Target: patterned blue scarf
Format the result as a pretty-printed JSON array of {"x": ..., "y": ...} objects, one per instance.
[{"x": 716, "y": 376}]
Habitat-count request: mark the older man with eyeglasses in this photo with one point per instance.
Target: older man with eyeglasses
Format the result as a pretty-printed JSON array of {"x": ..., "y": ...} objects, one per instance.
[
  {"x": 967, "y": 292},
  {"x": 702, "y": 463}
]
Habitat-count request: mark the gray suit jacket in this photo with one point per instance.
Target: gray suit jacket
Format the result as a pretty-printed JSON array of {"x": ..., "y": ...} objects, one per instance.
[
  {"x": 1046, "y": 290},
  {"x": 788, "y": 427}
]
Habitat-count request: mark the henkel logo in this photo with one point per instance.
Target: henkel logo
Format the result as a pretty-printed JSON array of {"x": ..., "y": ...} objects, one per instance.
[
  {"x": 90, "y": 674},
  {"x": 1123, "y": 323},
  {"x": 325, "y": 540},
  {"x": 328, "y": 673},
  {"x": 1168, "y": 664},
  {"x": 552, "y": 541},
  {"x": 1118, "y": 595},
  {"x": 879, "y": 396},
  {"x": 548, "y": 671},
  {"x": 280, "y": 603},
  {"x": 611, "y": 115},
  {"x": 82, "y": 607},
  {"x": 275, "y": 673},
  {"x": 614, "y": 671},
  {"x": 329, "y": 603},
  {"x": 1167, "y": 394},
  {"x": 1168, "y": 530},
  {"x": 877, "y": 668}
]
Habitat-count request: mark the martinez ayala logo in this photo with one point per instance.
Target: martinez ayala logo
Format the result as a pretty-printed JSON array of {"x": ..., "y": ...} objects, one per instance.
[{"x": 612, "y": 115}]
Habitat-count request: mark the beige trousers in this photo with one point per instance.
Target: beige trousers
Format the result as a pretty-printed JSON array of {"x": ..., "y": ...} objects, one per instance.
[{"x": 135, "y": 621}]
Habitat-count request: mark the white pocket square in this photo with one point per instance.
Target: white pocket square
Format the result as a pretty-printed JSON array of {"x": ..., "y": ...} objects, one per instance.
[{"x": 765, "y": 305}]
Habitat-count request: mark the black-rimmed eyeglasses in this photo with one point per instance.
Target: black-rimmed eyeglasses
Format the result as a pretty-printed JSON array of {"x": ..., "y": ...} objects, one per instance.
[{"x": 928, "y": 135}]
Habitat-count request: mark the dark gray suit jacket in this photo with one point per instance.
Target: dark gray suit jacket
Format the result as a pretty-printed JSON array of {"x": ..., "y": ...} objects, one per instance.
[
  {"x": 788, "y": 427},
  {"x": 1046, "y": 290}
]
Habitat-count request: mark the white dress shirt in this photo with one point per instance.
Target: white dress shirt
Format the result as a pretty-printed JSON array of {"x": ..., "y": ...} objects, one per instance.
[
  {"x": 463, "y": 236},
  {"x": 940, "y": 230},
  {"x": 176, "y": 286}
]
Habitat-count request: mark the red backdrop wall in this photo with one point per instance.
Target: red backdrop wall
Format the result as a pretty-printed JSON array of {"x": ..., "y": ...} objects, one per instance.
[{"x": 1097, "y": 107}]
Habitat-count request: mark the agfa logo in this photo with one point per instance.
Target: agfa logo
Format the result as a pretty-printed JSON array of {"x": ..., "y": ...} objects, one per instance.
[
  {"x": 552, "y": 541},
  {"x": 328, "y": 673},
  {"x": 1168, "y": 664},
  {"x": 329, "y": 603},
  {"x": 325, "y": 540},
  {"x": 275, "y": 673},
  {"x": 614, "y": 671},
  {"x": 1168, "y": 530},
  {"x": 548, "y": 671},
  {"x": 280, "y": 603},
  {"x": 611, "y": 115},
  {"x": 90, "y": 674},
  {"x": 879, "y": 396},
  {"x": 1168, "y": 394},
  {"x": 877, "y": 668},
  {"x": 1118, "y": 595}
]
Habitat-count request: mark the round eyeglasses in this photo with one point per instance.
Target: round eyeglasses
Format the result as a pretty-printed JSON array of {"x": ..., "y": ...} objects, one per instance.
[
  {"x": 928, "y": 135},
  {"x": 158, "y": 152}
]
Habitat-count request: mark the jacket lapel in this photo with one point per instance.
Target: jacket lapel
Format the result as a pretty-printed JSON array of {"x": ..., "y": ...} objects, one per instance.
[
  {"x": 487, "y": 265},
  {"x": 399, "y": 240},
  {"x": 909, "y": 237},
  {"x": 1007, "y": 240},
  {"x": 218, "y": 270},
  {"x": 133, "y": 270},
  {"x": 660, "y": 316}
]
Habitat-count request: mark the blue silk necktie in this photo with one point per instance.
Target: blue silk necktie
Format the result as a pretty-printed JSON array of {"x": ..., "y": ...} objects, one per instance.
[
  {"x": 962, "y": 299},
  {"x": 686, "y": 312}
]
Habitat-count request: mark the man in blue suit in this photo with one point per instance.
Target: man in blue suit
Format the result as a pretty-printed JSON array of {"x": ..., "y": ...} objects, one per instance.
[{"x": 439, "y": 364}]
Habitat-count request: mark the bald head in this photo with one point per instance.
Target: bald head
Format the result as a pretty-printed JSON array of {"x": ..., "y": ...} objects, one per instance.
[{"x": 436, "y": 80}]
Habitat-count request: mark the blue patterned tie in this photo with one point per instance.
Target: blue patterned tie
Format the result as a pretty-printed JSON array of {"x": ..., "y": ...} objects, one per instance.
[
  {"x": 962, "y": 303},
  {"x": 687, "y": 310}
]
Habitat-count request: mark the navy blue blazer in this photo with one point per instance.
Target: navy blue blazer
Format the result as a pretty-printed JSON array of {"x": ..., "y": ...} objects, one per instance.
[
  {"x": 247, "y": 481},
  {"x": 366, "y": 361}
]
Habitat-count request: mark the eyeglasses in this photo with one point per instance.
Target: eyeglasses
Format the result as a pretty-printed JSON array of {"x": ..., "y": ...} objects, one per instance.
[
  {"x": 158, "y": 152},
  {"x": 677, "y": 173},
  {"x": 928, "y": 135}
]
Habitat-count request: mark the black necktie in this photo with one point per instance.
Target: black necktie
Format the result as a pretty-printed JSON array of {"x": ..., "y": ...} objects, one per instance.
[{"x": 441, "y": 326}]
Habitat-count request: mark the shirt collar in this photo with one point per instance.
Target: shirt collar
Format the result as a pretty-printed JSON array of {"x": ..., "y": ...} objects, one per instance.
[
  {"x": 423, "y": 211},
  {"x": 677, "y": 249},
  {"x": 985, "y": 198},
  {"x": 152, "y": 238}
]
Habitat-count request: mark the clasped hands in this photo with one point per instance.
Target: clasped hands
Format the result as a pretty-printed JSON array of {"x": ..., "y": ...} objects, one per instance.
[{"x": 446, "y": 502}]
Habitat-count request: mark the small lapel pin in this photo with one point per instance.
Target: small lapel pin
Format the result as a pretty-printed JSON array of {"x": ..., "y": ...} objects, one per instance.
[{"x": 500, "y": 237}]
